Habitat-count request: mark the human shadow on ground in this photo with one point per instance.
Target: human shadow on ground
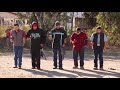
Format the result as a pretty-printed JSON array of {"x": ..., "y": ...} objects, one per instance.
[
  {"x": 100, "y": 74},
  {"x": 105, "y": 72},
  {"x": 50, "y": 74},
  {"x": 85, "y": 75}
]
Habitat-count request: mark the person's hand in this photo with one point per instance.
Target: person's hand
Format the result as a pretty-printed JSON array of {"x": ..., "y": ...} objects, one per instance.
[
  {"x": 41, "y": 45},
  {"x": 23, "y": 44},
  {"x": 86, "y": 46},
  {"x": 104, "y": 49},
  {"x": 63, "y": 45},
  {"x": 91, "y": 43}
]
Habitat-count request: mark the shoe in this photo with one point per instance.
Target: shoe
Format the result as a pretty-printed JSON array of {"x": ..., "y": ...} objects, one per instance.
[
  {"x": 95, "y": 68},
  {"x": 38, "y": 68},
  {"x": 75, "y": 67},
  {"x": 55, "y": 68},
  {"x": 61, "y": 68},
  {"x": 81, "y": 67},
  {"x": 20, "y": 67},
  {"x": 101, "y": 68},
  {"x": 33, "y": 67},
  {"x": 15, "y": 67}
]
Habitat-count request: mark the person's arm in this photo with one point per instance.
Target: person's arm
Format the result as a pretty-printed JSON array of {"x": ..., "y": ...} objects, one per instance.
[
  {"x": 24, "y": 37},
  {"x": 43, "y": 38},
  {"x": 11, "y": 37},
  {"x": 86, "y": 40},
  {"x": 91, "y": 40},
  {"x": 72, "y": 39},
  {"x": 105, "y": 40},
  {"x": 65, "y": 37}
]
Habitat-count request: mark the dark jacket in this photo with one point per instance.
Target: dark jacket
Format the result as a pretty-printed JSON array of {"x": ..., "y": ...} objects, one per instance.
[
  {"x": 102, "y": 43},
  {"x": 37, "y": 37},
  {"x": 57, "y": 38}
]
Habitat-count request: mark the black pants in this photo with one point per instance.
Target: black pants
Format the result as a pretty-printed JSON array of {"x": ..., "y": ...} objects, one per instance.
[
  {"x": 81, "y": 55},
  {"x": 35, "y": 56}
]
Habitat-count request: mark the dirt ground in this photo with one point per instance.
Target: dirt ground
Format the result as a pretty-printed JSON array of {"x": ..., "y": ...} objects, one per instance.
[{"x": 111, "y": 60}]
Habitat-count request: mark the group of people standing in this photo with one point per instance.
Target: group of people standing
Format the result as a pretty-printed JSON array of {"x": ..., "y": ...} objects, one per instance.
[{"x": 58, "y": 37}]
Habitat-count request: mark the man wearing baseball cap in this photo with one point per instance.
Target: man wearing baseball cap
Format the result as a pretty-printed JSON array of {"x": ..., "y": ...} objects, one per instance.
[
  {"x": 58, "y": 38},
  {"x": 37, "y": 37}
]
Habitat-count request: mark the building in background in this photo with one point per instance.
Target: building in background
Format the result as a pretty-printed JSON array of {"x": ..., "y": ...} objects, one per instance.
[
  {"x": 10, "y": 18},
  {"x": 77, "y": 20}
]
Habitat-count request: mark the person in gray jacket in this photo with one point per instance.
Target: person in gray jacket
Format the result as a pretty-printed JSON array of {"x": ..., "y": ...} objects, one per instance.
[{"x": 18, "y": 38}]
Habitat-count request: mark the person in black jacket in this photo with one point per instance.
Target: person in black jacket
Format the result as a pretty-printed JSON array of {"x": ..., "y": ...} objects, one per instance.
[
  {"x": 37, "y": 37},
  {"x": 58, "y": 37}
]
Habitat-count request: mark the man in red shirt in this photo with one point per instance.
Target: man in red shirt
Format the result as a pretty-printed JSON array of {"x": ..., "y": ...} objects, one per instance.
[{"x": 79, "y": 40}]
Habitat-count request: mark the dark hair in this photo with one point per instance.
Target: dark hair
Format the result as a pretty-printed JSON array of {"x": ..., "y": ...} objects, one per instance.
[
  {"x": 16, "y": 24},
  {"x": 99, "y": 27},
  {"x": 57, "y": 23},
  {"x": 78, "y": 29}
]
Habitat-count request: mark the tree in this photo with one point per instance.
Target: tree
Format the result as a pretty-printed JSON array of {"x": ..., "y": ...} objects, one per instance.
[
  {"x": 110, "y": 21},
  {"x": 90, "y": 18}
]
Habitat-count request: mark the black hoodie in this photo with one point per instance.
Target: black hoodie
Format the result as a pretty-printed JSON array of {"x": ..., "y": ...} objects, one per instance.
[{"x": 37, "y": 37}]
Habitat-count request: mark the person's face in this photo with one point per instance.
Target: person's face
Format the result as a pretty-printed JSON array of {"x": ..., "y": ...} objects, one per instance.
[
  {"x": 99, "y": 30},
  {"x": 78, "y": 32},
  {"x": 16, "y": 27},
  {"x": 35, "y": 27},
  {"x": 57, "y": 26}
]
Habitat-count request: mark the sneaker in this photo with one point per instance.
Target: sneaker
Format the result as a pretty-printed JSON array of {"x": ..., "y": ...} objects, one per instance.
[
  {"x": 75, "y": 67},
  {"x": 95, "y": 68},
  {"x": 61, "y": 68},
  {"x": 55, "y": 68},
  {"x": 81, "y": 67}
]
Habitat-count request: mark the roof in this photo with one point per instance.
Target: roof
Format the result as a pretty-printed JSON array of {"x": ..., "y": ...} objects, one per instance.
[{"x": 8, "y": 15}]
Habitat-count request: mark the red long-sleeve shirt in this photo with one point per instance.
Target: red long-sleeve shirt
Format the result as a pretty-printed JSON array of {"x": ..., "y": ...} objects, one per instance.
[{"x": 78, "y": 40}]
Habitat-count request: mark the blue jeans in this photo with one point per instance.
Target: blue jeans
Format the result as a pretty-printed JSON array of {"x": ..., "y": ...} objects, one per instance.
[
  {"x": 81, "y": 55},
  {"x": 18, "y": 55},
  {"x": 98, "y": 51},
  {"x": 59, "y": 52}
]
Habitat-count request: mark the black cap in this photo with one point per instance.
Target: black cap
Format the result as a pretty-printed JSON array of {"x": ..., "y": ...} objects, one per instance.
[
  {"x": 78, "y": 29},
  {"x": 16, "y": 24}
]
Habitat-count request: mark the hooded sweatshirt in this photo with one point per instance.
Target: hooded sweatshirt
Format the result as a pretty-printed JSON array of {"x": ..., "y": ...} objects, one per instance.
[{"x": 37, "y": 36}]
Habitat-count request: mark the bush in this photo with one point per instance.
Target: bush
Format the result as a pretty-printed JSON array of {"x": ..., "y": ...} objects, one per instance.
[
  {"x": 2, "y": 30},
  {"x": 25, "y": 28}
]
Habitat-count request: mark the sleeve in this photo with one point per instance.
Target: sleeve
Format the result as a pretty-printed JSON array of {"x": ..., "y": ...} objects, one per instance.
[
  {"x": 28, "y": 34},
  {"x": 105, "y": 38},
  {"x": 24, "y": 34},
  {"x": 65, "y": 34},
  {"x": 86, "y": 39},
  {"x": 91, "y": 38},
  {"x": 11, "y": 34},
  {"x": 43, "y": 35},
  {"x": 71, "y": 38}
]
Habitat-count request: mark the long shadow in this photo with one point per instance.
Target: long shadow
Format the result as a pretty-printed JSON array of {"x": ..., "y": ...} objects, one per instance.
[
  {"x": 84, "y": 74},
  {"x": 111, "y": 73},
  {"x": 50, "y": 73}
]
